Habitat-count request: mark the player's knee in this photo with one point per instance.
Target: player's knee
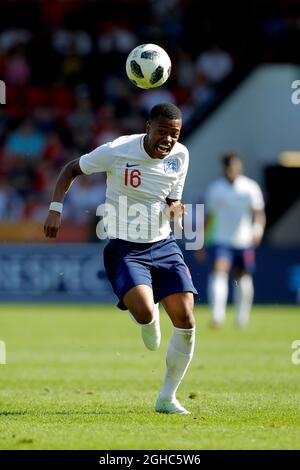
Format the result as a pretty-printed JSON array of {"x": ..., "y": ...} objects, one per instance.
[
  {"x": 182, "y": 312},
  {"x": 189, "y": 320},
  {"x": 221, "y": 265},
  {"x": 185, "y": 318},
  {"x": 143, "y": 313}
]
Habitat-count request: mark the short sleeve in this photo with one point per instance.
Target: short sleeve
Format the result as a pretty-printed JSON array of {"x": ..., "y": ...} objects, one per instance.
[
  {"x": 100, "y": 159},
  {"x": 177, "y": 190},
  {"x": 257, "y": 198}
]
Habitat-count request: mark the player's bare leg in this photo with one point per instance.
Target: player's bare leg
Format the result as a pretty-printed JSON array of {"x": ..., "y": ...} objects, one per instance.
[
  {"x": 218, "y": 291},
  {"x": 243, "y": 298},
  {"x": 180, "y": 351},
  {"x": 140, "y": 303}
]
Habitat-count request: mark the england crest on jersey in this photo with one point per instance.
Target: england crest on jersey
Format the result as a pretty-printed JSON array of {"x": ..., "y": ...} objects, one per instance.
[{"x": 171, "y": 166}]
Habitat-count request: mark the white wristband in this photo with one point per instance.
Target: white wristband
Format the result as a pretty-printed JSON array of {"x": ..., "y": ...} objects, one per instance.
[
  {"x": 56, "y": 206},
  {"x": 257, "y": 230}
]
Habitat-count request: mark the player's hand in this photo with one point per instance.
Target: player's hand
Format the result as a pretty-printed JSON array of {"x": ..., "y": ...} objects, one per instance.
[
  {"x": 256, "y": 241},
  {"x": 52, "y": 224},
  {"x": 201, "y": 255},
  {"x": 258, "y": 232},
  {"x": 175, "y": 211}
]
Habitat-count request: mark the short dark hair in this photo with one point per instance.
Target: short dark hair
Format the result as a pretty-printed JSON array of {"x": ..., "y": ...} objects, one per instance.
[
  {"x": 167, "y": 110},
  {"x": 229, "y": 157}
]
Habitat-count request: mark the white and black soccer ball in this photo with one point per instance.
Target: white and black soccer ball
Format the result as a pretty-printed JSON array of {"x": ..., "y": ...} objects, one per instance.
[{"x": 148, "y": 66}]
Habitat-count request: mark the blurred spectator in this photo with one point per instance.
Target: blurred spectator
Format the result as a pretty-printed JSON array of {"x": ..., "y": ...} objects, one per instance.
[
  {"x": 84, "y": 197},
  {"x": 188, "y": 108},
  {"x": 108, "y": 126},
  {"x": 167, "y": 17},
  {"x": 36, "y": 209},
  {"x": 72, "y": 67},
  {"x": 116, "y": 37},
  {"x": 165, "y": 8},
  {"x": 203, "y": 92},
  {"x": 17, "y": 68},
  {"x": 184, "y": 69},
  {"x": 11, "y": 38},
  {"x": 55, "y": 12},
  {"x": 114, "y": 88},
  {"x": 81, "y": 122},
  {"x": 44, "y": 118},
  {"x": 21, "y": 176},
  {"x": 11, "y": 204},
  {"x": 65, "y": 41},
  {"x": 55, "y": 151},
  {"x": 150, "y": 98},
  {"x": 26, "y": 142},
  {"x": 214, "y": 64}
]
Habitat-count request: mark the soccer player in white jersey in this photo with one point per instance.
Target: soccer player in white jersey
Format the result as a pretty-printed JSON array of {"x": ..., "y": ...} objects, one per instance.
[
  {"x": 148, "y": 169},
  {"x": 235, "y": 222}
]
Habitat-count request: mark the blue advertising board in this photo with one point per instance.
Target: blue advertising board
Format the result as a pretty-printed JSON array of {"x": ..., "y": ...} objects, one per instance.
[
  {"x": 75, "y": 273},
  {"x": 276, "y": 278},
  {"x": 53, "y": 272}
]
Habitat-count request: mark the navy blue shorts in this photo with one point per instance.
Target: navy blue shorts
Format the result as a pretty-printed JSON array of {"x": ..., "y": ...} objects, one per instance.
[
  {"x": 159, "y": 265},
  {"x": 243, "y": 259}
]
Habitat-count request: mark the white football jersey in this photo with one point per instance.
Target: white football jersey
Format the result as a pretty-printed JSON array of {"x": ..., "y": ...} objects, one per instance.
[
  {"x": 232, "y": 208},
  {"x": 137, "y": 186}
]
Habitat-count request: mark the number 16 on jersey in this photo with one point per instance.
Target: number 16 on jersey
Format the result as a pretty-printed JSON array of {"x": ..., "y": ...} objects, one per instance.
[{"x": 132, "y": 177}]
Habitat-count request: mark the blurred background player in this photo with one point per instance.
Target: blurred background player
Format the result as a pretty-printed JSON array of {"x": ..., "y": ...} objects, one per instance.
[
  {"x": 150, "y": 268},
  {"x": 235, "y": 225}
]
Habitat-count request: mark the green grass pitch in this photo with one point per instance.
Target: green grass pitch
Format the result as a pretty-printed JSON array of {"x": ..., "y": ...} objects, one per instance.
[{"x": 79, "y": 377}]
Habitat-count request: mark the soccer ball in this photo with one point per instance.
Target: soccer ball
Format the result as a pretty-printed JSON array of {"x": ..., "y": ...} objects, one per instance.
[{"x": 148, "y": 66}]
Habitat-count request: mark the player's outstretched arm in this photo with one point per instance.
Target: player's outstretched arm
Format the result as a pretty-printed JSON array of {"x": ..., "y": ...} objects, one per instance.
[
  {"x": 259, "y": 223},
  {"x": 64, "y": 181}
]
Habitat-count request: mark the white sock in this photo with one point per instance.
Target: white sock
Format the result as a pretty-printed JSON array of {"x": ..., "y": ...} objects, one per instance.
[
  {"x": 150, "y": 331},
  {"x": 179, "y": 356},
  {"x": 243, "y": 298},
  {"x": 217, "y": 295}
]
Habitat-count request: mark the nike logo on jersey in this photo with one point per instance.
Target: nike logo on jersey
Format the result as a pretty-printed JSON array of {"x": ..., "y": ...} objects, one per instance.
[{"x": 128, "y": 165}]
